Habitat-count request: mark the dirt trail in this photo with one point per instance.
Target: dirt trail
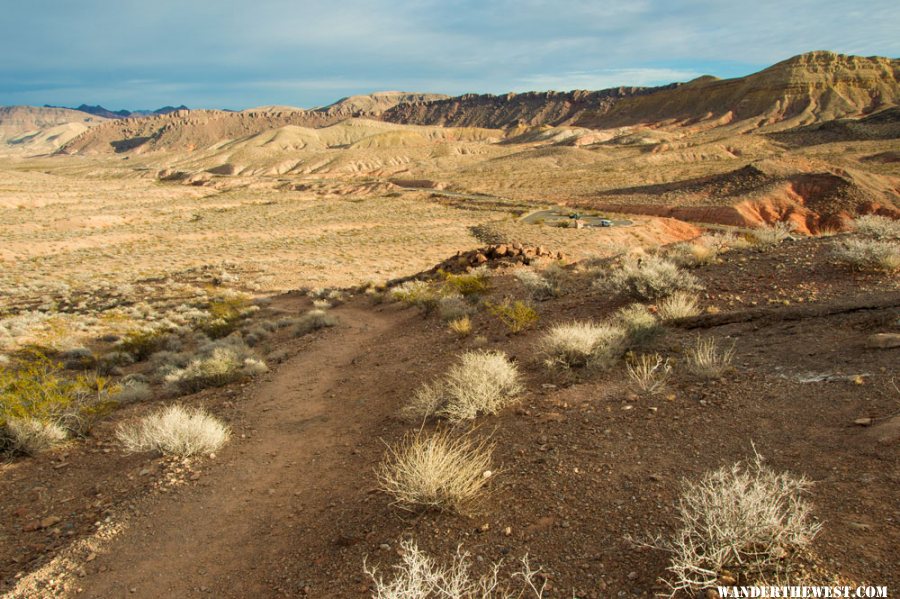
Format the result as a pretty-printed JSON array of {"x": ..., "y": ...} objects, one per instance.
[{"x": 224, "y": 536}]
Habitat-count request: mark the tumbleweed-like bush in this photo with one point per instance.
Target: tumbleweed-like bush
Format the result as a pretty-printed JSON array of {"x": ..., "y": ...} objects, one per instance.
[
  {"x": 582, "y": 344},
  {"x": 438, "y": 471},
  {"x": 648, "y": 277},
  {"x": 419, "y": 576},
  {"x": 481, "y": 382},
  {"x": 746, "y": 519},
  {"x": 174, "y": 430}
]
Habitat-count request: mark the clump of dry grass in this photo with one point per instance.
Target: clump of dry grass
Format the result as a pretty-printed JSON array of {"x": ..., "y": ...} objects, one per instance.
[
  {"x": 174, "y": 430},
  {"x": 315, "y": 319},
  {"x": 767, "y": 236},
  {"x": 31, "y": 436},
  {"x": 462, "y": 326},
  {"x": 680, "y": 304},
  {"x": 648, "y": 277},
  {"x": 439, "y": 471},
  {"x": 217, "y": 363},
  {"x": 745, "y": 519},
  {"x": 649, "y": 372},
  {"x": 692, "y": 255},
  {"x": 582, "y": 344},
  {"x": 879, "y": 227},
  {"x": 418, "y": 576},
  {"x": 869, "y": 254},
  {"x": 706, "y": 360},
  {"x": 481, "y": 382}
]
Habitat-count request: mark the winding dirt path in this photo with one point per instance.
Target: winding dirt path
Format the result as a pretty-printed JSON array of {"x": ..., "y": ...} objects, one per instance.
[{"x": 225, "y": 536}]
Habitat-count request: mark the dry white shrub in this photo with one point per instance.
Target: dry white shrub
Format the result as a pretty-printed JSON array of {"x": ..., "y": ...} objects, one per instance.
[
  {"x": 439, "y": 471},
  {"x": 133, "y": 391},
  {"x": 582, "y": 344},
  {"x": 31, "y": 436},
  {"x": 879, "y": 227},
  {"x": 706, "y": 360},
  {"x": 481, "y": 382},
  {"x": 641, "y": 326},
  {"x": 649, "y": 372},
  {"x": 314, "y": 320},
  {"x": 418, "y": 576},
  {"x": 454, "y": 307},
  {"x": 680, "y": 304},
  {"x": 648, "y": 277},
  {"x": 773, "y": 234},
  {"x": 746, "y": 519},
  {"x": 217, "y": 363},
  {"x": 174, "y": 430},
  {"x": 538, "y": 287},
  {"x": 869, "y": 254}
]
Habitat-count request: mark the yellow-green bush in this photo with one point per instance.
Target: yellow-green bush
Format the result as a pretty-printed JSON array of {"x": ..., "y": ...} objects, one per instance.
[
  {"x": 224, "y": 316},
  {"x": 35, "y": 389},
  {"x": 517, "y": 315},
  {"x": 476, "y": 283},
  {"x": 142, "y": 344}
]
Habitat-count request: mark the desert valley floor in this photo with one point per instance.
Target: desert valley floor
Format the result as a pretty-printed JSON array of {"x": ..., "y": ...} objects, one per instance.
[{"x": 315, "y": 279}]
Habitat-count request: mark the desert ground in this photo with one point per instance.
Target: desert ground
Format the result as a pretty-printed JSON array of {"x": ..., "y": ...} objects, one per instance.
[{"x": 372, "y": 352}]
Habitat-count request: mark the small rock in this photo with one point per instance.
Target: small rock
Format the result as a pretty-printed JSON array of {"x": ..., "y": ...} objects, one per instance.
[
  {"x": 883, "y": 341},
  {"x": 50, "y": 521},
  {"x": 863, "y": 421}
]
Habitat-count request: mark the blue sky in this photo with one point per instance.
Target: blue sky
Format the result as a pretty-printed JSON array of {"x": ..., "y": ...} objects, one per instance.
[{"x": 236, "y": 54}]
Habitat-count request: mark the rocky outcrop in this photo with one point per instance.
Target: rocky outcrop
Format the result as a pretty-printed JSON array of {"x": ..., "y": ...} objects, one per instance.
[
  {"x": 188, "y": 130},
  {"x": 493, "y": 256},
  {"x": 511, "y": 110},
  {"x": 16, "y": 121}
]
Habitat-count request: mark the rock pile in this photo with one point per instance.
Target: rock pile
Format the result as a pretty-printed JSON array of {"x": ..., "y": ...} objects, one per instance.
[{"x": 497, "y": 255}]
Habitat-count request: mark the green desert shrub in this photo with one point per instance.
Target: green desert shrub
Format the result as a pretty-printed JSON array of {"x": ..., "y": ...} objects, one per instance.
[
  {"x": 36, "y": 390},
  {"x": 640, "y": 325},
  {"x": 217, "y": 363},
  {"x": 420, "y": 294},
  {"x": 516, "y": 315},
  {"x": 466, "y": 285},
  {"x": 314, "y": 320}
]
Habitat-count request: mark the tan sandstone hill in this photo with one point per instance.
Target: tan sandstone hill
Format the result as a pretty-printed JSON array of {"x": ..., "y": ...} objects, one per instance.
[
  {"x": 16, "y": 121},
  {"x": 813, "y": 87}
]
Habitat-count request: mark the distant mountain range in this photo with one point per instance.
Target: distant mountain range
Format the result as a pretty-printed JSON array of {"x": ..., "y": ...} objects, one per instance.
[{"x": 121, "y": 114}]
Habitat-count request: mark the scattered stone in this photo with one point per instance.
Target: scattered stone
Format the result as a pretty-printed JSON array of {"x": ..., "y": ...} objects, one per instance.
[
  {"x": 863, "y": 421},
  {"x": 883, "y": 341}
]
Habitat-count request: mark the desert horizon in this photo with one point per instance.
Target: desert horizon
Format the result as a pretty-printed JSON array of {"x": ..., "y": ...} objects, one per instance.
[{"x": 638, "y": 338}]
